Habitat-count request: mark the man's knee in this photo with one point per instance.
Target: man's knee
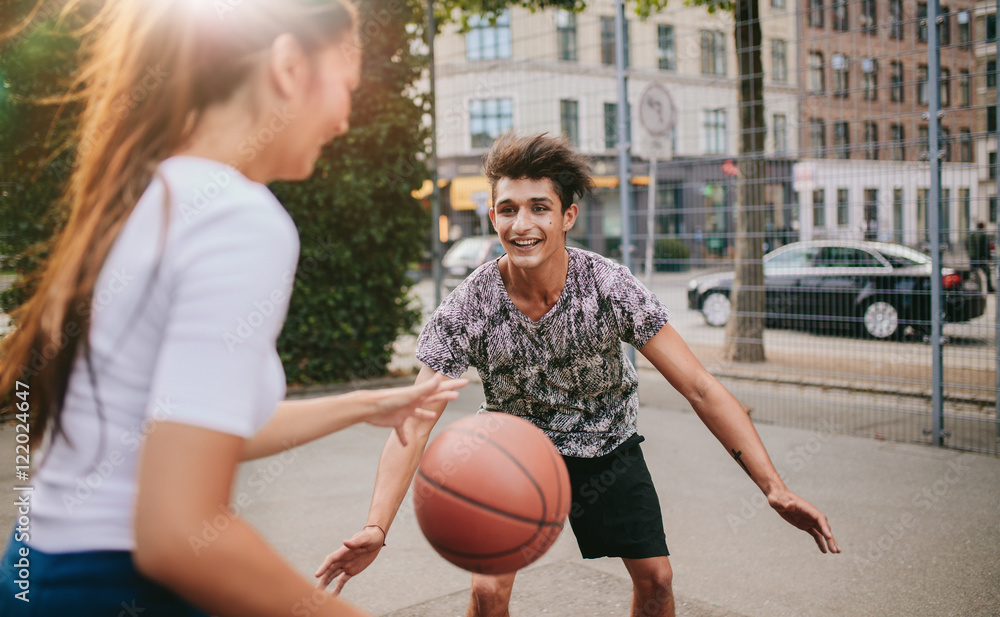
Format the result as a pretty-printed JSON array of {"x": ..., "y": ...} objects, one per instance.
[{"x": 655, "y": 581}]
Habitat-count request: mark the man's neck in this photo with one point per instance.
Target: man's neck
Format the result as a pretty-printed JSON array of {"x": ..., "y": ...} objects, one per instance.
[{"x": 537, "y": 290}]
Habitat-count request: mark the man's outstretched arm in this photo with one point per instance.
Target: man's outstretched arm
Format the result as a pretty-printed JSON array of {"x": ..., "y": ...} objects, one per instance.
[
  {"x": 395, "y": 472},
  {"x": 726, "y": 419}
]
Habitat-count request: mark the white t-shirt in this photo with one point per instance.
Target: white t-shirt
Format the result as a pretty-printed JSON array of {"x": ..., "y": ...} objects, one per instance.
[{"x": 183, "y": 329}]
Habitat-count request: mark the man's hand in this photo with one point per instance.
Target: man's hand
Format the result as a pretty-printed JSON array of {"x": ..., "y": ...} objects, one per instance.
[
  {"x": 354, "y": 556},
  {"x": 806, "y": 517}
]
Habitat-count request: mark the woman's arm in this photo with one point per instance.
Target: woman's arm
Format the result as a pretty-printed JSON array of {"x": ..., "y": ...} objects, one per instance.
[
  {"x": 301, "y": 421},
  {"x": 728, "y": 421},
  {"x": 188, "y": 539}
]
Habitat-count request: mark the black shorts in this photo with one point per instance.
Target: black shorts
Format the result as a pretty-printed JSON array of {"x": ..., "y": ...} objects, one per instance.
[{"x": 615, "y": 511}]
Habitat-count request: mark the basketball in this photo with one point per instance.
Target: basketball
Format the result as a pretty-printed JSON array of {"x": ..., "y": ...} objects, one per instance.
[{"x": 491, "y": 493}]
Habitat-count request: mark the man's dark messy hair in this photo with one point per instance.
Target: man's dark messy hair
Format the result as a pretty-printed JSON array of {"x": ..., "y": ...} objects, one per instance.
[{"x": 536, "y": 157}]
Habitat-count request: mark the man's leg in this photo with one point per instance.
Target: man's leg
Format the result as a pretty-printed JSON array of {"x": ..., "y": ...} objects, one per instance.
[
  {"x": 491, "y": 595},
  {"x": 652, "y": 591}
]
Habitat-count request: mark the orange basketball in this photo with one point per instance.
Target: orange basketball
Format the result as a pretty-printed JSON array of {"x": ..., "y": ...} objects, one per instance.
[{"x": 491, "y": 493}]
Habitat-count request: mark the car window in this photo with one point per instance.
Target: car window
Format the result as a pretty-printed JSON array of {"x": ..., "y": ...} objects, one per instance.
[
  {"x": 846, "y": 257},
  {"x": 496, "y": 251},
  {"x": 465, "y": 250},
  {"x": 798, "y": 257},
  {"x": 903, "y": 257}
]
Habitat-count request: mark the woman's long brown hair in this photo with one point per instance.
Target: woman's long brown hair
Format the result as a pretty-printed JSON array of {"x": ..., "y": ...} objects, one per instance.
[{"x": 150, "y": 69}]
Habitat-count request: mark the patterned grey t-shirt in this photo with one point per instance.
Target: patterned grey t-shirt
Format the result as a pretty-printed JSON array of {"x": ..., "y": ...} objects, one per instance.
[{"x": 566, "y": 372}]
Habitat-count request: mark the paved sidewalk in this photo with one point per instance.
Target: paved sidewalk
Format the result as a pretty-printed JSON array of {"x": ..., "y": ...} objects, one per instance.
[{"x": 919, "y": 527}]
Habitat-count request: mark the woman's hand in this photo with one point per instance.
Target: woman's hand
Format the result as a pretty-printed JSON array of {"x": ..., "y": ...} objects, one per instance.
[{"x": 393, "y": 407}]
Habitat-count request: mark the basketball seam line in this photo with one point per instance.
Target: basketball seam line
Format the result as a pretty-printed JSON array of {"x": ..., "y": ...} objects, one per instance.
[{"x": 495, "y": 510}]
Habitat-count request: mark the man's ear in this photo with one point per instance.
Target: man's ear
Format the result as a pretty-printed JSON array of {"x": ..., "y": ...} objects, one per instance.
[
  {"x": 569, "y": 217},
  {"x": 493, "y": 216},
  {"x": 288, "y": 66}
]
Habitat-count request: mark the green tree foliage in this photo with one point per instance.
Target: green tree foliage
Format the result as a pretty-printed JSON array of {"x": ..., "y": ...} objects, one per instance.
[
  {"x": 359, "y": 226},
  {"x": 36, "y": 64}
]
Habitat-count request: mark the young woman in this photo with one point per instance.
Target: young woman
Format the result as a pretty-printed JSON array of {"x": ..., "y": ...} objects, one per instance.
[{"x": 146, "y": 359}]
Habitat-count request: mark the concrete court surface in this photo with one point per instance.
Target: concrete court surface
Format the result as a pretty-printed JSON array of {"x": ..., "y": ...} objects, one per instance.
[{"x": 920, "y": 527}]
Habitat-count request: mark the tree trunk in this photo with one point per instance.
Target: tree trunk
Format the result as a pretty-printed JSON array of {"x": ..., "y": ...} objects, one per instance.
[{"x": 745, "y": 329}]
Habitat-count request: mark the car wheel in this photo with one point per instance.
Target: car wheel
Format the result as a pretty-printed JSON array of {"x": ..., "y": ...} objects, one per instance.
[
  {"x": 881, "y": 320},
  {"x": 715, "y": 307}
]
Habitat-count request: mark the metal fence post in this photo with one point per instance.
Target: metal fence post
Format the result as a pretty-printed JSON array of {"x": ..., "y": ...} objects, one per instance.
[
  {"x": 934, "y": 155},
  {"x": 996, "y": 293},
  {"x": 624, "y": 147},
  {"x": 435, "y": 192}
]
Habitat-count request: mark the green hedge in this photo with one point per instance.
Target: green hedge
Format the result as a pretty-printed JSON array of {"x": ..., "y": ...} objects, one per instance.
[{"x": 358, "y": 224}]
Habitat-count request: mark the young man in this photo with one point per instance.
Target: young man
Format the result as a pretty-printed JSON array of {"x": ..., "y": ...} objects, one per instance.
[{"x": 543, "y": 325}]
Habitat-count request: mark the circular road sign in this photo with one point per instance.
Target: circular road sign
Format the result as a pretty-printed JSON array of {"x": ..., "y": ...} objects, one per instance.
[{"x": 656, "y": 110}]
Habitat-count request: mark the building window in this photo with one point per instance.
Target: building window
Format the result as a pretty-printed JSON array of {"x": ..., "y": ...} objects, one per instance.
[
  {"x": 841, "y": 140},
  {"x": 869, "y": 17},
  {"x": 566, "y": 31},
  {"x": 779, "y": 61},
  {"x": 993, "y": 208},
  {"x": 896, "y": 82},
  {"x": 991, "y": 118},
  {"x": 897, "y": 139},
  {"x": 964, "y": 89},
  {"x": 816, "y": 85},
  {"x": 841, "y": 66},
  {"x": 780, "y": 133},
  {"x": 946, "y": 143},
  {"x": 965, "y": 146},
  {"x": 964, "y": 211},
  {"x": 945, "y": 88},
  {"x": 815, "y": 13},
  {"x": 713, "y": 131},
  {"x": 922, "y": 84},
  {"x": 897, "y": 214},
  {"x": 778, "y": 4},
  {"x": 611, "y": 125},
  {"x": 922, "y": 21},
  {"x": 991, "y": 26},
  {"x": 991, "y": 73},
  {"x": 713, "y": 52},
  {"x": 840, "y": 15},
  {"x": 608, "y": 41},
  {"x": 486, "y": 41},
  {"x": 817, "y": 138},
  {"x": 944, "y": 27},
  {"x": 569, "y": 120},
  {"x": 843, "y": 208},
  {"x": 819, "y": 208},
  {"x": 869, "y": 79},
  {"x": 896, "y": 19},
  {"x": 871, "y": 141},
  {"x": 993, "y": 165},
  {"x": 665, "y": 50},
  {"x": 922, "y": 213},
  {"x": 923, "y": 142},
  {"x": 488, "y": 119},
  {"x": 964, "y": 27}
]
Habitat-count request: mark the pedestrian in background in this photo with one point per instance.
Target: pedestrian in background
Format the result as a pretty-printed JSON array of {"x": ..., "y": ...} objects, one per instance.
[{"x": 977, "y": 244}]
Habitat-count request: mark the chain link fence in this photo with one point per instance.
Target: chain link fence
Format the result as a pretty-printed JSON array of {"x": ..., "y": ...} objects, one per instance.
[{"x": 846, "y": 199}]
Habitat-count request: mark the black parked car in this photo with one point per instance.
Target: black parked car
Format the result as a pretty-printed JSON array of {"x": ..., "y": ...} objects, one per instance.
[{"x": 881, "y": 289}]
